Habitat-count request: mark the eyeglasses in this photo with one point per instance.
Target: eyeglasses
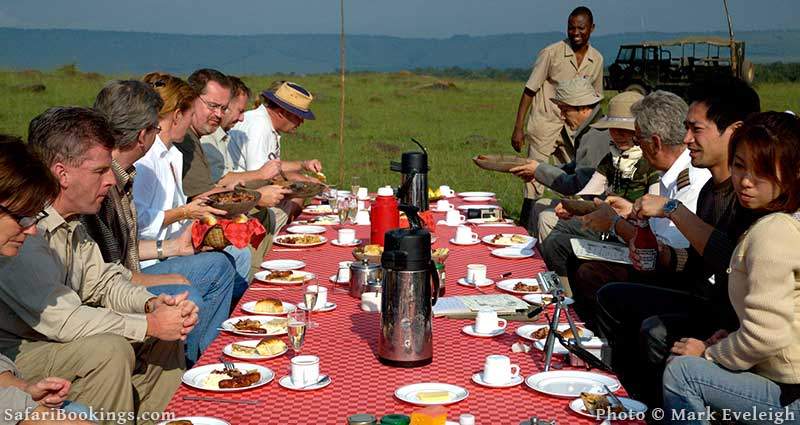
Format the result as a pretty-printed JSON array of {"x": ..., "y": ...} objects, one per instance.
[
  {"x": 214, "y": 106},
  {"x": 25, "y": 221}
]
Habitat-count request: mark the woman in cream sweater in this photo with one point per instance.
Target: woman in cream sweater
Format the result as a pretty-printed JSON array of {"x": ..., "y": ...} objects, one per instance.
[{"x": 752, "y": 375}]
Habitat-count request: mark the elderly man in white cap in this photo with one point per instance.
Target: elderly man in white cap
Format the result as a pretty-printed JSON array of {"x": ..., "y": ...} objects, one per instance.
[{"x": 579, "y": 103}]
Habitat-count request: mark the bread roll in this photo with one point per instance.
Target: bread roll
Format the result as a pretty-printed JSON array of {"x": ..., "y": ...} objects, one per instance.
[
  {"x": 270, "y": 346},
  {"x": 567, "y": 333},
  {"x": 269, "y": 305}
]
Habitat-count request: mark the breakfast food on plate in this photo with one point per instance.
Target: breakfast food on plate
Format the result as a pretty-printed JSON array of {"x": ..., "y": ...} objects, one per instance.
[
  {"x": 249, "y": 325},
  {"x": 322, "y": 220},
  {"x": 433, "y": 396},
  {"x": 595, "y": 402},
  {"x": 505, "y": 239},
  {"x": 567, "y": 333},
  {"x": 233, "y": 378},
  {"x": 542, "y": 332},
  {"x": 233, "y": 197},
  {"x": 440, "y": 252},
  {"x": 319, "y": 209},
  {"x": 265, "y": 347},
  {"x": 524, "y": 287},
  {"x": 276, "y": 326},
  {"x": 269, "y": 305},
  {"x": 373, "y": 250},
  {"x": 301, "y": 239},
  {"x": 180, "y": 422},
  {"x": 279, "y": 274},
  {"x": 286, "y": 276}
]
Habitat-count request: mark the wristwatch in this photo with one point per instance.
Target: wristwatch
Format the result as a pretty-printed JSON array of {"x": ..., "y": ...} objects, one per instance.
[
  {"x": 160, "y": 249},
  {"x": 670, "y": 207},
  {"x": 612, "y": 232}
]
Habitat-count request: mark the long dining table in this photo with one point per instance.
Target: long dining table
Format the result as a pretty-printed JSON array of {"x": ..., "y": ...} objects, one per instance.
[{"x": 346, "y": 341}]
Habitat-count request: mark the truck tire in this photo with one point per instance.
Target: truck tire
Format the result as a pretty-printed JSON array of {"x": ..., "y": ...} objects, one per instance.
[
  {"x": 748, "y": 72},
  {"x": 638, "y": 88}
]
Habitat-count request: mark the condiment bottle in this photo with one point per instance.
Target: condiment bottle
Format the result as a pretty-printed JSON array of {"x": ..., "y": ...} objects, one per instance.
[
  {"x": 362, "y": 419},
  {"x": 466, "y": 419},
  {"x": 395, "y": 419},
  {"x": 384, "y": 215},
  {"x": 645, "y": 246},
  {"x": 442, "y": 275}
]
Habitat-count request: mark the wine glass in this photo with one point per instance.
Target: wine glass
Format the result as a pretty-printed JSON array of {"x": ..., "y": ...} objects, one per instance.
[
  {"x": 343, "y": 210},
  {"x": 297, "y": 322},
  {"x": 310, "y": 294},
  {"x": 354, "y": 185}
]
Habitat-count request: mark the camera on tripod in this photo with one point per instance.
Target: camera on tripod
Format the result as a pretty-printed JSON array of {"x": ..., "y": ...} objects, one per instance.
[{"x": 549, "y": 282}]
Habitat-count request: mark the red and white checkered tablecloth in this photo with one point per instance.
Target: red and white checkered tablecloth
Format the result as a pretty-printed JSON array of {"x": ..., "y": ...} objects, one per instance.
[{"x": 346, "y": 342}]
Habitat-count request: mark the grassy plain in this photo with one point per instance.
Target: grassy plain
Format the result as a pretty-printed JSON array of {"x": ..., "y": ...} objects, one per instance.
[{"x": 382, "y": 113}]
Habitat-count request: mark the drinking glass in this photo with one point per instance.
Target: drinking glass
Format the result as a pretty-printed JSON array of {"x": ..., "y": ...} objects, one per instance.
[
  {"x": 297, "y": 322},
  {"x": 310, "y": 299},
  {"x": 343, "y": 210},
  {"x": 354, "y": 185}
]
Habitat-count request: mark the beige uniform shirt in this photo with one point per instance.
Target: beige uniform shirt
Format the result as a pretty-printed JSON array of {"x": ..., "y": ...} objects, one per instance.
[
  {"x": 59, "y": 289},
  {"x": 557, "y": 63}
]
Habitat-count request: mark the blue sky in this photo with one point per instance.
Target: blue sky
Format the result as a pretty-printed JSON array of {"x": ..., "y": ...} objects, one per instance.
[{"x": 406, "y": 18}]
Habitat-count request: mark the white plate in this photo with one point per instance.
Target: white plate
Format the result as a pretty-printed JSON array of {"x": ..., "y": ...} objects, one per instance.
[
  {"x": 445, "y": 223},
  {"x": 306, "y": 229},
  {"x": 525, "y": 332},
  {"x": 508, "y": 285},
  {"x": 318, "y": 209},
  {"x": 286, "y": 382},
  {"x": 478, "y": 199},
  {"x": 356, "y": 242},
  {"x": 322, "y": 220},
  {"x": 198, "y": 420},
  {"x": 332, "y": 278},
  {"x": 489, "y": 221},
  {"x": 194, "y": 377},
  {"x": 250, "y": 307},
  {"x": 537, "y": 299},
  {"x": 284, "y": 241},
  {"x": 529, "y": 240},
  {"x": 486, "y": 282},
  {"x": 454, "y": 242},
  {"x": 592, "y": 343},
  {"x": 328, "y": 307},
  {"x": 282, "y": 265},
  {"x": 515, "y": 380},
  {"x": 469, "y": 194},
  {"x": 569, "y": 383},
  {"x": 262, "y": 276},
  {"x": 409, "y": 393},
  {"x": 512, "y": 253},
  {"x": 470, "y": 330},
  {"x": 227, "y": 325},
  {"x": 477, "y": 207},
  {"x": 228, "y": 351},
  {"x": 632, "y": 408},
  {"x": 434, "y": 209}
]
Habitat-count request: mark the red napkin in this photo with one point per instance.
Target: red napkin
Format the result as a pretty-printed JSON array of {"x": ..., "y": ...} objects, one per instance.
[{"x": 238, "y": 234}]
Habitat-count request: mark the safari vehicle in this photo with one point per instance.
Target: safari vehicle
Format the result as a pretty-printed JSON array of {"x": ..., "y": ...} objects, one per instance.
[{"x": 674, "y": 65}]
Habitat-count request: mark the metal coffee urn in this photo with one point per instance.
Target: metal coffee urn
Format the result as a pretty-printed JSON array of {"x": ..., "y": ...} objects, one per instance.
[
  {"x": 414, "y": 183},
  {"x": 406, "y": 335}
]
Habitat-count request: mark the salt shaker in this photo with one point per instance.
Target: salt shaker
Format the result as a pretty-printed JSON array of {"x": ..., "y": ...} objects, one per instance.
[{"x": 466, "y": 419}]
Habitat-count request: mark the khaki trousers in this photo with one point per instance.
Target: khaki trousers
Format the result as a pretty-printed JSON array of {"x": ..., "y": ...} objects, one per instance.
[
  {"x": 273, "y": 219},
  {"x": 542, "y": 143},
  {"x": 545, "y": 217},
  {"x": 108, "y": 372}
]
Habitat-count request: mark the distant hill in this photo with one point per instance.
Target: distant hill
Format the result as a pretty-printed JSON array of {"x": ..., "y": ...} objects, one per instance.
[{"x": 113, "y": 52}]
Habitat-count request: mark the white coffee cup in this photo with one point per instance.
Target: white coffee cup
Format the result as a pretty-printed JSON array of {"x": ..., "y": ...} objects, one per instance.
[
  {"x": 498, "y": 370},
  {"x": 444, "y": 205},
  {"x": 486, "y": 321},
  {"x": 346, "y": 236},
  {"x": 363, "y": 193},
  {"x": 465, "y": 235},
  {"x": 362, "y": 217},
  {"x": 344, "y": 271},
  {"x": 322, "y": 296},
  {"x": 446, "y": 191},
  {"x": 371, "y": 301},
  {"x": 454, "y": 218},
  {"x": 476, "y": 273},
  {"x": 305, "y": 370}
]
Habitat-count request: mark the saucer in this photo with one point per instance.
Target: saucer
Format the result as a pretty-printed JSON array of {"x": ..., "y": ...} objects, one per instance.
[
  {"x": 333, "y": 279},
  {"x": 515, "y": 380},
  {"x": 445, "y": 223},
  {"x": 454, "y": 242},
  {"x": 486, "y": 282},
  {"x": 470, "y": 330},
  {"x": 328, "y": 307},
  {"x": 286, "y": 382},
  {"x": 356, "y": 242},
  {"x": 441, "y": 211}
]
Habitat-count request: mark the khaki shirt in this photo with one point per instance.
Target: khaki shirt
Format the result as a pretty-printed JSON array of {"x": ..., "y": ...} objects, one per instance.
[
  {"x": 215, "y": 147},
  {"x": 15, "y": 401},
  {"x": 556, "y": 63},
  {"x": 59, "y": 289}
]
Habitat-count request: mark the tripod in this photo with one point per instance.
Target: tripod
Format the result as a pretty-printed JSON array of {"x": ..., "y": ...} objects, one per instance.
[{"x": 549, "y": 283}]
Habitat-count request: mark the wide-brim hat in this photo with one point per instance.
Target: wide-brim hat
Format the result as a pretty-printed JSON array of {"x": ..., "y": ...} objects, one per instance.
[
  {"x": 576, "y": 92},
  {"x": 293, "y": 98},
  {"x": 619, "y": 112}
]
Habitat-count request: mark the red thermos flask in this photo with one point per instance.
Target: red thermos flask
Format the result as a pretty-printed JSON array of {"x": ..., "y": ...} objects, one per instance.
[{"x": 384, "y": 215}]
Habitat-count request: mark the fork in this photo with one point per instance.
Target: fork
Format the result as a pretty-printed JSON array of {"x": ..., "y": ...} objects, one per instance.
[
  {"x": 613, "y": 396},
  {"x": 228, "y": 365}
]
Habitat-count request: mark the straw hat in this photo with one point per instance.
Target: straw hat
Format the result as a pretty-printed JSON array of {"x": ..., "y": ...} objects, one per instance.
[
  {"x": 619, "y": 112},
  {"x": 293, "y": 98},
  {"x": 576, "y": 92}
]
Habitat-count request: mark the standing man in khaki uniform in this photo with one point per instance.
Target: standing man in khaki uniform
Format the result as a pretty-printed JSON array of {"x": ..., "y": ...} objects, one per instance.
[{"x": 556, "y": 63}]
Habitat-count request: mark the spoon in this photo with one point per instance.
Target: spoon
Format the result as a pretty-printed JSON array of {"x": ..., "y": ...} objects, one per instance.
[{"x": 324, "y": 379}]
